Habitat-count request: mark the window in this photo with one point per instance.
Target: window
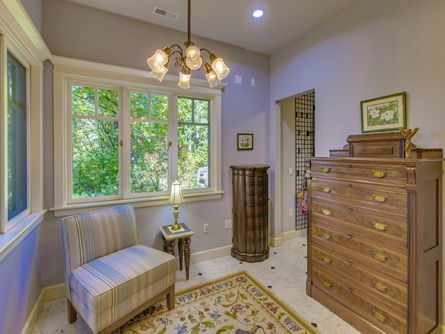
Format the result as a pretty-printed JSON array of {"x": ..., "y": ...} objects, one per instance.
[
  {"x": 21, "y": 147},
  {"x": 125, "y": 143},
  {"x": 148, "y": 143},
  {"x": 17, "y": 138},
  {"x": 95, "y": 138},
  {"x": 194, "y": 142}
]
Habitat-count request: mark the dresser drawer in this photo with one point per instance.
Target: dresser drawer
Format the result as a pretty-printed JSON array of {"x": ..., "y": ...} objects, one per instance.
[
  {"x": 379, "y": 173},
  {"x": 386, "y": 319},
  {"x": 378, "y": 197},
  {"x": 377, "y": 225},
  {"x": 392, "y": 291},
  {"x": 379, "y": 258}
]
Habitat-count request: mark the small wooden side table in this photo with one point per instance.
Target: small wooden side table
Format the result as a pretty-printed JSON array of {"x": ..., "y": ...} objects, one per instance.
[{"x": 184, "y": 237}]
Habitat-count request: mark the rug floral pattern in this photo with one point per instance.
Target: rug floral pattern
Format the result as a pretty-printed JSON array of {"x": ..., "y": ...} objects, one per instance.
[{"x": 236, "y": 304}]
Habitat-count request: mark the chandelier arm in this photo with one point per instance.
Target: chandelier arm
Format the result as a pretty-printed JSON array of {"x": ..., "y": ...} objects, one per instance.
[
  {"x": 178, "y": 46},
  {"x": 176, "y": 51}
]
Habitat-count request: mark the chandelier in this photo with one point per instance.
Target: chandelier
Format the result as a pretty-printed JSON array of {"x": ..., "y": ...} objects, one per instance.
[{"x": 188, "y": 61}]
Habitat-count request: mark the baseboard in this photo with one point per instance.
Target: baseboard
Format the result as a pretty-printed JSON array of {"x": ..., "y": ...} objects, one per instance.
[
  {"x": 210, "y": 254},
  {"x": 47, "y": 294},
  {"x": 289, "y": 235},
  {"x": 275, "y": 241},
  {"x": 285, "y": 236}
]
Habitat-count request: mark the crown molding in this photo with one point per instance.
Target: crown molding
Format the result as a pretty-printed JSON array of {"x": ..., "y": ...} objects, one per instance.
[{"x": 16, "y": 24}]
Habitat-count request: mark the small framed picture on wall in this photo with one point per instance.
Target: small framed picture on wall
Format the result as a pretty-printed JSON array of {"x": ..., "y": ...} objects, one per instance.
[{"x": 245, "y": 141}]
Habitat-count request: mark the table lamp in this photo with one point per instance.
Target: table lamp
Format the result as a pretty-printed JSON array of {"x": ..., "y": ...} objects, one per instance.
[{"x": 176, "y": 199}]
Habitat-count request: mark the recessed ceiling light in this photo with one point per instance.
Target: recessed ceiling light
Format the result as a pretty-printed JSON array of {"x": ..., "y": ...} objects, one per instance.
[{"x": 258, "y": 13}]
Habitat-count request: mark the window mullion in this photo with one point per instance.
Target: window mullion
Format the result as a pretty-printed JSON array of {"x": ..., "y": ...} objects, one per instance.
[
  {"x": 126, "y": 138},
  {"x": 173, "y": 138}
]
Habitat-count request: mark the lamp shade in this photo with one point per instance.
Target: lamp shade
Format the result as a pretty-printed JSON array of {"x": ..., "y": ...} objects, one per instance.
[
  {"x": 159, "y": 74},
  {"x": 158, "y": 60},
  {"x": 220, "y": 68},
  {"x": 176, "y": 194}
]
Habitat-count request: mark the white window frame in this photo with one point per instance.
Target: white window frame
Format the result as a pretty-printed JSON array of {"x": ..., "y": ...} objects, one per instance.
[
  {"x": 69, "y": 72},
  {"x": 33, "y": 129}
]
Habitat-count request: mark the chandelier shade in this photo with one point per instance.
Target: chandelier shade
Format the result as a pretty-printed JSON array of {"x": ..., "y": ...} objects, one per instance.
[{"x": 189, "y": 60}]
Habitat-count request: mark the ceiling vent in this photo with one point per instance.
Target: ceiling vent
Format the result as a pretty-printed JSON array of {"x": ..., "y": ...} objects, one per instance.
[{"x": 166, "y": 13}]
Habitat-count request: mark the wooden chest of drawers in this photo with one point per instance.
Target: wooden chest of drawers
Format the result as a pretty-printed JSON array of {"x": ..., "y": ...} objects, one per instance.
[{"x": 374, "y": 241}]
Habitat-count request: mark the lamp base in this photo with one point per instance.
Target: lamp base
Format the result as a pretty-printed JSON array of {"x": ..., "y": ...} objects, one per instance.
[{"x": 176, "y": 228}]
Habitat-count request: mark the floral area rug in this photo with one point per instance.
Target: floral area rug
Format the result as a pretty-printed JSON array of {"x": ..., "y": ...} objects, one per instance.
[{"x": 235, "y": 304}]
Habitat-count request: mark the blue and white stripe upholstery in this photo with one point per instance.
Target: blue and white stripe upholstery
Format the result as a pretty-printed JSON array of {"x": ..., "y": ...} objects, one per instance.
[{"x": 108, "y": 274}]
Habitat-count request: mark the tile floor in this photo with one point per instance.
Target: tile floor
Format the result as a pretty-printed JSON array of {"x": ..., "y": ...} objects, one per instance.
[{"x": 283, "y": 272}]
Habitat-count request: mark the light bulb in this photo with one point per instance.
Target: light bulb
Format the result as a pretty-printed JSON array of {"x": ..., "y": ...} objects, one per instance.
[
  {"x": 194, "y": 64},
  {"x": 158, "y": 60},
  {"x": 193, "y": 53},
  {"x": 220, "y": 68},
  {"x": 160, "y": 74},
  {"x": 184, "y": 79},
  {"x": 211, "y": 76}
]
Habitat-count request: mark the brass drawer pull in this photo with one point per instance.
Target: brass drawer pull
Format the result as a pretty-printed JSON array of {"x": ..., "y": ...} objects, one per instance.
[
  {"x": 326, "y": 260},
  {"x": 378, "y": 174},
  {"x": 380, "y": 226},
  {"x": 380, "y": 286},
  {"x": 327, "y": 189},
  {"x": 326, "y": 212},
  {"x": 380, "y": 256},
  {"x": 379, "y": 198},
  {"x": 326, "y": 284},
  {"x": 379, "y": 315},
  {"x": 325, "y": 169},
  {"x": 326, "y": 236}
]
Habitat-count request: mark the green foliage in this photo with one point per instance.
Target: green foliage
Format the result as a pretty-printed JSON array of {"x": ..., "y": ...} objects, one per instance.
[
  {"x": 95, "y": 152},
  {"x": 193, "y": 142},
  {"x": 95, "y": 158}
]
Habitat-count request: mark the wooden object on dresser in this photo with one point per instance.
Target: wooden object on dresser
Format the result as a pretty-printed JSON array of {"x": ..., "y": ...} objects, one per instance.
[
  {"x": 375, "y": 237},
  {"x": 250, "y": 213}
]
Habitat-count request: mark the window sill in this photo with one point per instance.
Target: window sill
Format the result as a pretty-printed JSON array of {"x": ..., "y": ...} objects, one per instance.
[
  {"x": 72, "y": 209},
  {"x": 10, "y": 239}
]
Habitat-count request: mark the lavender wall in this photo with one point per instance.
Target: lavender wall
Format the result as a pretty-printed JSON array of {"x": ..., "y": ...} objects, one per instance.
[
  {"x": 76, "y": 31},
  {"x": 20, "y": 284}
]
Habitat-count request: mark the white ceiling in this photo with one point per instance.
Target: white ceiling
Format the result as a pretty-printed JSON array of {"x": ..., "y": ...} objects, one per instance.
[{"x": 231, "y": 21}]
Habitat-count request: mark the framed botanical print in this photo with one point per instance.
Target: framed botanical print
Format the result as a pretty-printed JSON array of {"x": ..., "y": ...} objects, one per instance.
[
  {"x": 386, "y": 113},
  {"x": 245, "y": 141}
]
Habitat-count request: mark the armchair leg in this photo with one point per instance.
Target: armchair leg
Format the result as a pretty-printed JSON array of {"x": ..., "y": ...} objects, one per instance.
[
  {"x": 72, "y": 313},
  {"x": 171, "y": 298}
]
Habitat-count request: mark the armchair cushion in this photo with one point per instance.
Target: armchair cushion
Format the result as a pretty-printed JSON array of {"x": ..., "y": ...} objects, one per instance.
[{"x": 105, "y": 289}]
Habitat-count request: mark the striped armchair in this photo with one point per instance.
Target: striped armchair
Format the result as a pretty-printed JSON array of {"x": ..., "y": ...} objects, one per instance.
[{"x": 110, "y": 277}]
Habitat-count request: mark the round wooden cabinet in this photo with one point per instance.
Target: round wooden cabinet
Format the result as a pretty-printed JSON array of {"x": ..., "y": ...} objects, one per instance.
[{"x": 250, "y": 213}]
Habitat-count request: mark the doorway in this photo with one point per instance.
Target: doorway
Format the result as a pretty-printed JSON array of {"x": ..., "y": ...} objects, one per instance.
[{"x": 297, "y": 143}]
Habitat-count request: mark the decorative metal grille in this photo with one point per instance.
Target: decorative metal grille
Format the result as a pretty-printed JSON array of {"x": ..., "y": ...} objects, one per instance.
[{"x": 304, "y": 145}]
